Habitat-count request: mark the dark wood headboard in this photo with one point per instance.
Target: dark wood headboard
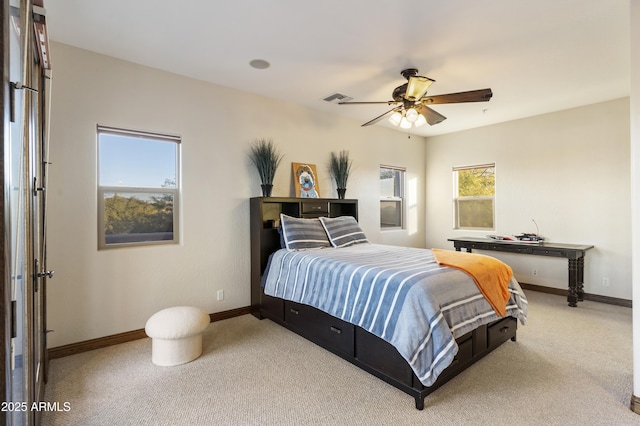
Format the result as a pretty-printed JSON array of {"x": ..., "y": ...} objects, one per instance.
[{"x": 265, "y": 238}]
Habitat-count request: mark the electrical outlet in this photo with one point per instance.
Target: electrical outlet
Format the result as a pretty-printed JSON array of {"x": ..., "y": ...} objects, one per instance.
[
  {"x": 220, "y": 294},
  {"x": 605, "y": 281},
  {"x": 534, "y": 272}
]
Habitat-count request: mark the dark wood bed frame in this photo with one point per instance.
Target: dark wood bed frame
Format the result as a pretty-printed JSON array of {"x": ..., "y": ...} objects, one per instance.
[{"x": 346, "y": 340}]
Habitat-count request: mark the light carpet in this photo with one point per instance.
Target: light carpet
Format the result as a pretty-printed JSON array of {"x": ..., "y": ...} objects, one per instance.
[{"x": 570, "y": 366}]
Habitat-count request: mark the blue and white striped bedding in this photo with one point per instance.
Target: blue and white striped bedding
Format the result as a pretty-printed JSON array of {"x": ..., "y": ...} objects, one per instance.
[{"x": 399, "y": 294}]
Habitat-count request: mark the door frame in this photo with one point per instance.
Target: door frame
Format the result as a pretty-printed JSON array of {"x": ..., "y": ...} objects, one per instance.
[
  {"x": 33, "y": 150},
  {"x": 5, "y": 304}
]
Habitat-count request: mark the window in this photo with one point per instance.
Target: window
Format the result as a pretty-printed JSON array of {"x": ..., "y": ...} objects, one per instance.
[
  {"x": 391, "y": 197},
  {"x": 138, "y": 187},
  {"x": 474, "y": 196}
]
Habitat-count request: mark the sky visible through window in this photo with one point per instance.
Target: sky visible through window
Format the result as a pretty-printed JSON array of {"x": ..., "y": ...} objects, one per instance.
[{"x": 136, "y": 162}]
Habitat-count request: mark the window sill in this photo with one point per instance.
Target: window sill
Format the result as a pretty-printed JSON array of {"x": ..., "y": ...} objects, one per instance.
[{"x": 390, "y": 229}]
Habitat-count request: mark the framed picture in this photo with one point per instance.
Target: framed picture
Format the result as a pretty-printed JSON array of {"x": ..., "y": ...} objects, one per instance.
[{"x": 305, "y": 180}]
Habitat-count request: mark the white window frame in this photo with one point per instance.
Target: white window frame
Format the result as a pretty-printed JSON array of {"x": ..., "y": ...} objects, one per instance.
[
  {"x": 400, "y": 200},
  {"x": 457, "y": 199},
  {"x": 102, "y": 190}
]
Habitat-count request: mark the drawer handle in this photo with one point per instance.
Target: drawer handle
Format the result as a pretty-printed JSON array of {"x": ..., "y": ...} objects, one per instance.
[
  {"x": 335, "y": 329},
  {"x": 503, "y": 330},
  {"x": 295, "y": 311}
]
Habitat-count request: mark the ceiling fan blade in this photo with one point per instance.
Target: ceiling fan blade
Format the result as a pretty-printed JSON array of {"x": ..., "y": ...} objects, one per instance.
[
  {"x": 430, "y": 115},
  {"x": 380, "y": 117},
  {"x": 417, "y": 87},
  {"x": 481, "y": 95},
  {"x": 364, "y": 103}
]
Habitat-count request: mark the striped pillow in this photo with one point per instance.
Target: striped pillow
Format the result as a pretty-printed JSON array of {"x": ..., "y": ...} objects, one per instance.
[
  {"x": 343, "y": 231},
  {"x": 300, "y": 234}
]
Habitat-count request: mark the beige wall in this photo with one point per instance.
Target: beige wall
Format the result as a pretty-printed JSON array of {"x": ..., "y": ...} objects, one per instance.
[
  {"x": 98, "y": 293},
  {"x": 568, "y": 170}
]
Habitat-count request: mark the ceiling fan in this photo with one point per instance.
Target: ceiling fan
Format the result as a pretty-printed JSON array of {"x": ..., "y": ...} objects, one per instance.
[{"x": 412, "y": 100}]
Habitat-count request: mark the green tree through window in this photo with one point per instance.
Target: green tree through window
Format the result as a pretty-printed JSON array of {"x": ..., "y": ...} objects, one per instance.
[
  {"x": 474, "y": 196},
  {"x": 132, "y": 215}
]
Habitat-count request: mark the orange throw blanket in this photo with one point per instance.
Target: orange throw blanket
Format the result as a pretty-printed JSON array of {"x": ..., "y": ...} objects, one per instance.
[{"x": 491, "y": 275}]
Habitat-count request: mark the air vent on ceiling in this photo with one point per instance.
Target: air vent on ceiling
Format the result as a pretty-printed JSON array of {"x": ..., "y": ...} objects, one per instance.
[{"x": 337, "y": 98}]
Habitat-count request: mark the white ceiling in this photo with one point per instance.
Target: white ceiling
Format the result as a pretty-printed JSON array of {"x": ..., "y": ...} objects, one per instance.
[{"x": 536, "y": 56}]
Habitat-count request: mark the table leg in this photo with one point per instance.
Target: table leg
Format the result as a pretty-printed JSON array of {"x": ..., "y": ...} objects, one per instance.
[
  {"x": 572, "y": 296},
  {"x": 580, "y": 289}
]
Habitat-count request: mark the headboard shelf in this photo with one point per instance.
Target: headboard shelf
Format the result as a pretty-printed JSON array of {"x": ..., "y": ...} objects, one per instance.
[{"x": 265, "y": 239}]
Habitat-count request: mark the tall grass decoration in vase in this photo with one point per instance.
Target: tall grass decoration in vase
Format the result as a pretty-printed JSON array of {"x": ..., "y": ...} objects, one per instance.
[
  {"x": 266, "y": 158},
  {"x": 340, "y": 167}
]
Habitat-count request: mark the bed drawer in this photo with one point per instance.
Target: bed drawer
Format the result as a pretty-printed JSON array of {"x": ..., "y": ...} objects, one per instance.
[
  {"x": 501, "y": 331},
  {"x": 319, "y": 327},
  {"x": 465, "y": 349}
]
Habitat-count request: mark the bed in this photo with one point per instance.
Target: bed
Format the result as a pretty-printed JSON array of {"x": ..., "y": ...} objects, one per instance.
[{"x": 395, "y": 312}]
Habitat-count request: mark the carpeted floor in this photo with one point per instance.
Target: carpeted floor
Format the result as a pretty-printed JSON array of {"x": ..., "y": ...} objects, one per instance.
[{"x": 570, "y": 366}]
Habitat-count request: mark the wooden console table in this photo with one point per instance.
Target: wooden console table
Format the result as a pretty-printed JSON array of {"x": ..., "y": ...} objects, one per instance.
[{"x": 574, "y": 252}]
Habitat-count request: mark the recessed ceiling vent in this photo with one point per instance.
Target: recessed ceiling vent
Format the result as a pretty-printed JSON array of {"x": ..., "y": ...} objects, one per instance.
[{"x": 337, "y": 98}]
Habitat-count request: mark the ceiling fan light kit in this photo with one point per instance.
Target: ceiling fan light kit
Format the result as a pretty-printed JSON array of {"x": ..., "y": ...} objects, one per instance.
[
  {"x": 395, "y": 118},
  {"x": 420, "y": 121},
  {"x": 411, "y": 115},
  {"x": 417, "y": 87},
  {"x": 405, "y": 124},
  {"x": 412, "y": 100},
  {"x": 407, "y": 119}
]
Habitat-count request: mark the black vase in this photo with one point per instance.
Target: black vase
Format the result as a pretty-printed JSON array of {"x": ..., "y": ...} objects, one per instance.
[
  {"x": 341, "y": 192},
  {"x": 266, "y": 189}
]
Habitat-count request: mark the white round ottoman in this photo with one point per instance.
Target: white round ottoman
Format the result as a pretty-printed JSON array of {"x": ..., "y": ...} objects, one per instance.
[{"x": 176, "y": 334}]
